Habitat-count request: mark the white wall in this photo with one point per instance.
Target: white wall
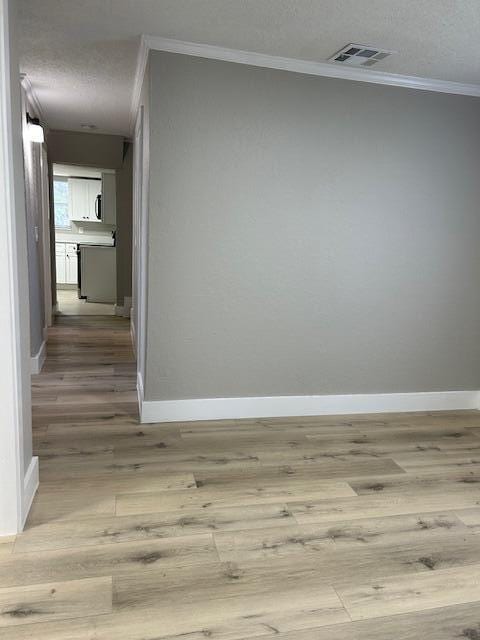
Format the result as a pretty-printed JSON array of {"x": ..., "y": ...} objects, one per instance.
[{"x": 18, "y": 470}]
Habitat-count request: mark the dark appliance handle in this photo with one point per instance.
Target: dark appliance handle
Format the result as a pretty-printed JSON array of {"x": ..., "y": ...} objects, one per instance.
[{"x": 98, "y": 207}]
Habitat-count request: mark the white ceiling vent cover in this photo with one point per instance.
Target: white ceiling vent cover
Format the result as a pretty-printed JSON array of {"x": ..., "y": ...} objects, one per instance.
[{"x": 360, "y": 55}]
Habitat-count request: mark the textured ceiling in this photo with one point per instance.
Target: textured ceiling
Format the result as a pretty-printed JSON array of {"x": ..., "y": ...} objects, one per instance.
[{"x": 80, "y": 56}]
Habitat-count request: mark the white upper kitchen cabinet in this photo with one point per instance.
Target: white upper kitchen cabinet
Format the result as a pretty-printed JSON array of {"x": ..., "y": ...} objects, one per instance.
[
  {"x": 77, "y": 199},
  {"x": 84, "y": 199},
  {"x": 109, "y": 199}
]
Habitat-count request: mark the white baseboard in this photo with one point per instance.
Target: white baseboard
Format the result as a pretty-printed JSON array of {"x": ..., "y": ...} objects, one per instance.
[
  {"x": 36, "y": 361},
  {"x": 283, "y": 406},
  {"x": 65, "y": 286},
  {"x": 124, "y": 310},
  {"x": 132, "y": 333},
  {"x": 140, "y": 396},
  {"x": 30, "y": 486}
]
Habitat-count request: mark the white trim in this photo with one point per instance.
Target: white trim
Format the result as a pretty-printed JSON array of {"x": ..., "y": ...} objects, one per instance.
[
  {"x": 38, "y": 359},
  {"x": 30, "y": 486},
  {"x": 31, "y": 96},
  {"x": 140, "y": 239},
  {"x": 45, "y": 234},
  {"x": 296, "y": 65},
  {"x": 127, "y": 306},
  {"x": 132, "y": 334},
  {"x": 140, "y": 394},
  {"x": 124, "y": 310},
  {"x": 280, "y": 406},
  {"x": 16, "y": 412},
  {"x": 142, "y": 59}
]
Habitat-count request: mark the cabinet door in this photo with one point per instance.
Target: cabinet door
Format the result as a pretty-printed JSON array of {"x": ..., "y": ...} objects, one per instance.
[
  {"x": 78, "y": 199},
  {"x": 71, "y": 274},
  {"x": 82, "y": 198},
  {"x": 60, "y": 248},
  {"x": 109, "y": 199},
  {"x": 94, "y": 190},
  {"x": 60, "y": 270},
  {"x": 60, "y": 258}
]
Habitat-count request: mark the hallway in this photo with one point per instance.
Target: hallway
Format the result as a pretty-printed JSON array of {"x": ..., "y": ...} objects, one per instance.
[
  {"x": 361, "y": 527},
  {"x": 87, "y": 386}
]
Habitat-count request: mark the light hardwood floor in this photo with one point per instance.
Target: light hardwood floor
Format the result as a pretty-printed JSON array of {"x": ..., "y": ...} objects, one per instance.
[{"x": 332, "y": 528}]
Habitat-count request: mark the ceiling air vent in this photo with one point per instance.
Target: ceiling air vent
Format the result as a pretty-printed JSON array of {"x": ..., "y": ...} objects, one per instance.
[{"x": 359, "y": 55}]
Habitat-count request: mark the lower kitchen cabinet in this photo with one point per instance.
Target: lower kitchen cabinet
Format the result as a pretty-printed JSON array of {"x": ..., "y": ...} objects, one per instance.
[{"x": 67, "y": 262}]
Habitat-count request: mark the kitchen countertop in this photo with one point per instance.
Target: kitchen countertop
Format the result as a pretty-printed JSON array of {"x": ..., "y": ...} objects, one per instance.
[
  {"x": 85, "y": 238},
  {"x": 91, "y": 245}
]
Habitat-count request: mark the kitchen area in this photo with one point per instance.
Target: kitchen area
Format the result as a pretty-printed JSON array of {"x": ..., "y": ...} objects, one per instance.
[{"x": 85, "y": 244}]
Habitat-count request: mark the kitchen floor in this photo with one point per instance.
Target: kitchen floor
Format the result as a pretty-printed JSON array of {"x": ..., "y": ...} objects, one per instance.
[
  {"x": 321, "y": 528},
  {"x": 69, "y": 304}
]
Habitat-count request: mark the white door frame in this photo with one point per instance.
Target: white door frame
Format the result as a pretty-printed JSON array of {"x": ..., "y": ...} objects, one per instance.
[
  {"x": 18, "y": 475},
  {"x": 136, "y": 204},
  {"x": 140, "y": 251},
  {"x": 45, "y": 223}
]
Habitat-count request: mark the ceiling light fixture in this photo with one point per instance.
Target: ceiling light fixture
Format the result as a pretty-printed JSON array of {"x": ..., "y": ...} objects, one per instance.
[
  {"x": 360, "y": 55},
  {"x": 89, "y": 127},
  {"x": 34, "y": 129}
]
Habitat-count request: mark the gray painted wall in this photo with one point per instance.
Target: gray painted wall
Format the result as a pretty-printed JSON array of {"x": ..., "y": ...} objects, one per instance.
[
  {"x": 309, "y": 235},
  {"x": 86, "y": 149}
]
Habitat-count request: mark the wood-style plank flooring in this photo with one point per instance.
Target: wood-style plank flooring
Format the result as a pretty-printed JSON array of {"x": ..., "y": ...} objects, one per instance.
[{"x": 331, "y": 528}]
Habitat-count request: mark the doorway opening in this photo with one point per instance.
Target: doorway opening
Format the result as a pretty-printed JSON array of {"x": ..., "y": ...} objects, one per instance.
[{"x": 85, "y": 245}]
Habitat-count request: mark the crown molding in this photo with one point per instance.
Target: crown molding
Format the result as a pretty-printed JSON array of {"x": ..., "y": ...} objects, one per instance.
[
  {"x": 31, "y": 96},
  {"x": 295, "y": 65}
]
